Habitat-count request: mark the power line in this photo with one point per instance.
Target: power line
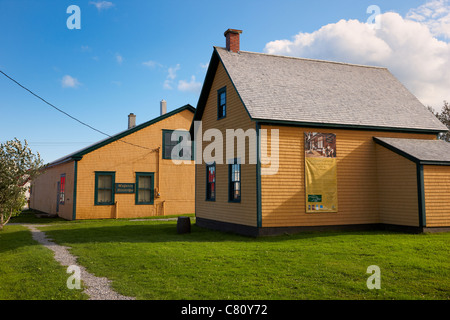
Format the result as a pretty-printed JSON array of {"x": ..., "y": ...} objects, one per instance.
[{"x": 65, "y": 113}]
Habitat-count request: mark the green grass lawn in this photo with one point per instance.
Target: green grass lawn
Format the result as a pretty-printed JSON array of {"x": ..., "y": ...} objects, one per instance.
[
  {"x": 149, "y": 260},
  {"x": 28, "y": 270}
]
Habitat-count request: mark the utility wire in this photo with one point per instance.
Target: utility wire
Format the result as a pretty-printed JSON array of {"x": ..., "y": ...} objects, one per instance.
[{"x": 65, "y": 113}]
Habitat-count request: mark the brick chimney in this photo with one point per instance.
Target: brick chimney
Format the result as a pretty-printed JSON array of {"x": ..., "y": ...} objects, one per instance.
[
  {"x": 131, "y": 120},
  {"x": 232, "y": 42}
]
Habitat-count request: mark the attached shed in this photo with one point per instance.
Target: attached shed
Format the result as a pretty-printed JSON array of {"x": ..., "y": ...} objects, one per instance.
[
  {"x": 130, "y": 174},
  {"x": 414, "y": 182}
]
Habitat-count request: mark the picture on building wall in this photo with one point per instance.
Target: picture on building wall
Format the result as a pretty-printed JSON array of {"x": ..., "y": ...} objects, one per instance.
[
  {"x": 320, "y": 145},
  {"x": 320, "y": 172}
]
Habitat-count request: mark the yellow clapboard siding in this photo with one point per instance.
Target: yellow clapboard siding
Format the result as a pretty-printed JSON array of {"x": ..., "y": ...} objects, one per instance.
[
  {"x": 244, "y": 212},
  {"x": 436, "y": 191},
  {"x": 175, "y": 183},
  {"x": 398, "y": 197},
  {"x": 283, "y": 194}
]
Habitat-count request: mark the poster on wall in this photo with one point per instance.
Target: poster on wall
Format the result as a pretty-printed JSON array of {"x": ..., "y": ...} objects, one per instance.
[{"x": 320, "y": 172}]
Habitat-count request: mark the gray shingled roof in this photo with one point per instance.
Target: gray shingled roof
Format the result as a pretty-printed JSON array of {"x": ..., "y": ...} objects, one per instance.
[
  {"x": 323, "y": 92},
  {"x": 418, "y": 149}
]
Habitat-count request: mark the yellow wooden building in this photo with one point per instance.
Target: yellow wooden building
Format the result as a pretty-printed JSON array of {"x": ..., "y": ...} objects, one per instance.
[
  {"x": 376, "y": 162},
  {"x": 131, "y": 174}
]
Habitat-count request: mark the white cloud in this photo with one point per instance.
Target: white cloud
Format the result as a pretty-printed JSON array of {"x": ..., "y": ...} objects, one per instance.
[
  {"x": 191, "y": 86},
  {"x": 173, "y": 72},
  {"x": 102, "y": 5},
  {"x": 167, "y": 84},
  {"x": 409, "y": 49},
  {"x": 69, "y": 82},
  {"x": 435, "y": 15},
  {"x": 86, "y": 48},
  {"x": 171, "y": 75},
  {"x": 119, "y": 58},
  {"x": 151, "y": 64}
]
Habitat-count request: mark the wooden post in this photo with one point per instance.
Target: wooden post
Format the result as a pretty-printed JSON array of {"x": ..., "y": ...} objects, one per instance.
[{"x": 183, "y": 225}]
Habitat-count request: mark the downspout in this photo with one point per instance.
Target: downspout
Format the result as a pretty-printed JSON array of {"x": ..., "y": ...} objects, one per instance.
[
  {"x": 258, "y": 177},
  {"x": 157, "y": 192},
  {"x": 159, "y": 170}
]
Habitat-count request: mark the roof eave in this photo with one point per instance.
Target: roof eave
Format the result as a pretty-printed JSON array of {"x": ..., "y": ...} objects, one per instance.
[{"x": 346, "y": 126}]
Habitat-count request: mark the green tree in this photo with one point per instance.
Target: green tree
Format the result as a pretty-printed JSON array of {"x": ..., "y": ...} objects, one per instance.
[
  {"x": 18, "y": 165},
  {"x": 444, "y": 117}
]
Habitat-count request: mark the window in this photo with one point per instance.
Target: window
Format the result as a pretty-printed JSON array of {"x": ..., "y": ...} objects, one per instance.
[
  {"x": 234, "y": 182},
  {"x": 221, "y": 103},
  {"x": 211, "y": 182},
  {"x": 62, "y": 188},
  {"x": 104, "y": 188},
  {"x": 144, "y": 188},
  {"x": 176, "y": 145}
]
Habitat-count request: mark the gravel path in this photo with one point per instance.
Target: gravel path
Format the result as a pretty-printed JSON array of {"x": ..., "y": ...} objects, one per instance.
[{"x": 97, "y": 288}]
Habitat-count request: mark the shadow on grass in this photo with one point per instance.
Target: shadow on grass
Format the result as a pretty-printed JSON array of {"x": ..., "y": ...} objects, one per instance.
[
  {"x": 15, "y": 237},
  {"x": 167, "y": 232},
  {"x": 150, "y": 231}
]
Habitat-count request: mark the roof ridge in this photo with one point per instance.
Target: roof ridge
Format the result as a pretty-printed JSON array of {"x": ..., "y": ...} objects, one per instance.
[{"x": 308, "y": 59}]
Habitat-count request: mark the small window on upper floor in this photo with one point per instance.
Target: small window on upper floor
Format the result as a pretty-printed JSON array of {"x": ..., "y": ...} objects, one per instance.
[
  {"x": 222, "y": 103},
  {"x": 176, "y": 145}
]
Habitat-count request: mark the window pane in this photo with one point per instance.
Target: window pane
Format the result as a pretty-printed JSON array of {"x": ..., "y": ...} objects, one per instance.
[
  {"x": 144, "y": 182},
  {"x": 63, "y": 183},
  {"x": 168, "y": 151},
  {"x": 104, "y": 196},
  {"x": 235, "y": 172},
  {"x": 168, "y": 137},
  {"x": 105, "y": 182},
  {"x": 211, "y": 174},
  {"x": 210, "y": 182},
  {"x": 221, "y": 103},
  {"x": 144, "y": 195},
  {"x": 235, "y": 182}
]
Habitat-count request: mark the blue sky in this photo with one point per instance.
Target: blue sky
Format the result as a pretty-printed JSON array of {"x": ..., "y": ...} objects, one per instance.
[{"x": 129, "y": 55}]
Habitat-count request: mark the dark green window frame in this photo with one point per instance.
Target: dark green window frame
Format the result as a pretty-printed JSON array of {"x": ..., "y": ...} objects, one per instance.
[
  {"x": 221, "y": 103},
  {"x": 234, "y": 181},
  {"x": 151, "y": 189},
  {"x": 168, "y": 145},
  {"x": 211, "y": 185},
  {"x": 113, "y": 181}
]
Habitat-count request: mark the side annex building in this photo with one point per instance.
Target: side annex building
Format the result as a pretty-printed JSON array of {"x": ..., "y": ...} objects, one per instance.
[{"x": 130, "y": 174}]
